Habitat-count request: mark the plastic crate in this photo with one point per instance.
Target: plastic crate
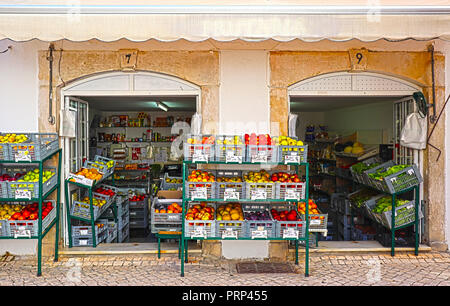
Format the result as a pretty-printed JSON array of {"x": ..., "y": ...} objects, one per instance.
[
  {"x": 168, "y": 186},
  {"x": 237, "y": 226},
  {"x": 285, "y": 190},
  {"x": 253, "y": 225},
  {"x": 17, "y": 228},
  {"x": 11, "y": 171},
  {"x": 122, "y": 209},
  {"x": 404, "y": 214},
  {"x": 280, "y": 226},
  {"x": 82, "y": 210},
  {"x": 138, "y": 223},
  {"x": 361, "y": 177},
  {"x": 33, "y": 187},
  {"x": 162, "y": 218},
  {"x": 261, "y": 153},
  {"x": 82, "y": 234},
  {"x": 156, "y": 228},
  {"x": 292, "y": 154},
  {"x": 5, "y": 153},
  {"x": 194, "y": 189},
  {"x": 4, "y": 230},
  {"x": 109, "y": 169},
  {"x": 397, "y": 182},
  {"x": 37, "y": 147},
  {"x": 124, "y": 234},
  {"x": 104, "y": 186},
  {"x": 252, "y": 188},
  {"x": 221, "y": 187},
  {"x": 111, "y": 231},
  {"x": 138, "y": 204},
  {"x": 370, "y": 204},
  {"x": 197, "y": 151},
  {"x": 208, "y": 227},
  {"x": 229, "y": 152},
  {"x": 359, "y": 235}
]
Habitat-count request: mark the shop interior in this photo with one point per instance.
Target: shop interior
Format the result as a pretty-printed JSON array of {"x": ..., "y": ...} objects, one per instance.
[{"x": 136, "y": 132}]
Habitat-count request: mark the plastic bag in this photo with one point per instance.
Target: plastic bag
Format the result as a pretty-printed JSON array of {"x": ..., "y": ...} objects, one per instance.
[
  {"x": 292, "y": 125},
  {"x": 414, "y": 132},
  {"x": 196, "y": 124},
  {"x": 68, "y": 122}
]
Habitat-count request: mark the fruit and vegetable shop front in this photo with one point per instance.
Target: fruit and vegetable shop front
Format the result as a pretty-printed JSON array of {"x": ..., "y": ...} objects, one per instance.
[{"x": 234, "y": 149}]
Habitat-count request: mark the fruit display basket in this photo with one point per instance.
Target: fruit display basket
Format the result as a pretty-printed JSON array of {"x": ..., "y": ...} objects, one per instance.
[
  {"x": 404, "y": 214},
  {"x": 199, "y": 148},
  {"x": 165, "y": 217},
  {"x": 82, "y": 210},
  {"x": 317, "y": 221},
  {"x": 282, "y": 225},
  {"x": 289, "y": 191},
  {"x": 358, "y": 201},
  {"x": 199, "y": 228},
  {"x": 292, "y": 154},
  {"x": 260, "y": 191},
  {"x": 19, "y": 189},
  {"x": 198, "y": 190},
  {"x": 268, "y": 224},
  {"x": 16, "y": 228},
  {"x": 82, "y": 234},
  {"x": 138, "y": 204},
  {"x": 37, "y": 147},
  {"x": 235, "y": 227},
  {"x": 171, "y": 182},
  {"x": 111, "y": 231},
  {"x": 109, "y": 198},
  {"x": 406, "y": 178},
  {"x": 229, "y": 148},
  {"x": 100, "y": 161},
  {"x": 10, "y": 174},
  {"x": 229, "y": 184},
  {"x": 262, "y": 154},
  {"x": 361, "y": 177}
]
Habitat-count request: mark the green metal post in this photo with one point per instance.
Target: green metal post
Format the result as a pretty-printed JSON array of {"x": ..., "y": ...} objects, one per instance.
[
  {"x": 317, "y": 239},
  {"x": 183, "y": 212},
  {"x": 307, "y": 223},
  {"x": 91, "y": 207},
  {"x": 159, "y": 247},
  {"x": 69, "y": 223},
  {"x": 296, "y": 252},
  {"x": 39, "y": 272},
  {"x": 186, "y": 245},
  {"x": 416, "y": 220},
  {"x": 58, "y": 200},
  {"x": 393, "y": 225}
]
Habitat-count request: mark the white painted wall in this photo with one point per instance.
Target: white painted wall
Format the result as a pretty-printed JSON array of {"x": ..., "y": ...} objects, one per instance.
[{"x": 244, "y": 93}]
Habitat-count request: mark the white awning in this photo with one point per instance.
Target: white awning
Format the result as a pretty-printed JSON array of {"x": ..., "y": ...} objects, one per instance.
[{"x": 79, "y": 22}]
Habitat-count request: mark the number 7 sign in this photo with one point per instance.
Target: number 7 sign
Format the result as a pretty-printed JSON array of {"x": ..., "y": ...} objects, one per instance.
[{"x": 128, "y": 59}]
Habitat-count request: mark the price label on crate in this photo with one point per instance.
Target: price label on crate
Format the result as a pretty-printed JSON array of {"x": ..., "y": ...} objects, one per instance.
[
  {"x": 171, "y": 217},
  {"x": 22, "y": 232},
  {"x": 259, "y": 233},
  {"x": 199, "y": 232},
  {"x": 84, "y": 232},
  {"x": 199, "y": 193},
  {"x": 199, "y": 156},
  {"x": 232, "y": 158},
  {"x": 22, "y": 194},
  {"x": 230, "y": 194},
  {"x": 290, "y": 233},
  {"x": 293, "y": 157},
  {"x": 291, "y": 194},
  {"x": 22, "y": 155},
  {"x": 261, "y": 157},
  {"x": 83, "y": 241},
  {"x": 314, "y": 222},
  {"x": 259, "y": 194},
  {"x": 229, "y": 233}
]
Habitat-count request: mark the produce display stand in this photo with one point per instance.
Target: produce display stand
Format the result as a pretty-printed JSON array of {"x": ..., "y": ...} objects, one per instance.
[
  {"x": 42, "y": 232},
  {"x": 394, "y": 228},
  {"x": 187, "y": 200},
  {"x": 92, "y": 219}
]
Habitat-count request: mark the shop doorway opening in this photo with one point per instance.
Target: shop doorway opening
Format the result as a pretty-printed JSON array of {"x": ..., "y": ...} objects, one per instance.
[
  {"x": 336, "y": 111},
  {"x": 128, "y": 116}
]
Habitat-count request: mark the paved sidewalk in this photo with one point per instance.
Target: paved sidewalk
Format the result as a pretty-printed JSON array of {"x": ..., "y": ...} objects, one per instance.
[{"x": 431, "y": 269}]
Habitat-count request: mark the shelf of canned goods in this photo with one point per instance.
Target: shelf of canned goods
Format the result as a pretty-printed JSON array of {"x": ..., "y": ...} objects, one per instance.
[{"x": 27, "y": 182}]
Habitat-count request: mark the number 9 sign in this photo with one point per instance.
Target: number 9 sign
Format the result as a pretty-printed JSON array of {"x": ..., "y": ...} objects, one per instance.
[{"x": 358, "y": 59}]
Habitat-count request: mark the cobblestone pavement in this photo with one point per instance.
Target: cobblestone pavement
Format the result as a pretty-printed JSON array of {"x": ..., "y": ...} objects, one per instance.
[{"x": 432, "y": 269}]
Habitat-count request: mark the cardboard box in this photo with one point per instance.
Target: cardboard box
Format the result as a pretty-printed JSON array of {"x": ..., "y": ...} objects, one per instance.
[{"x": 170, "y": 194}]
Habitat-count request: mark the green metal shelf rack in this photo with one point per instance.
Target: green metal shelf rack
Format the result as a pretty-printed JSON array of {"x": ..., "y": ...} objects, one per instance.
[
  {"x": 184, "y": 239},
  {"x": 91, "y": 208},
  {"x": 41, "y": 232}
]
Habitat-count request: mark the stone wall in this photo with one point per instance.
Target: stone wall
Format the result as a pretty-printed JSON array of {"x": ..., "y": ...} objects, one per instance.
[{"x": 288, "y": 67}]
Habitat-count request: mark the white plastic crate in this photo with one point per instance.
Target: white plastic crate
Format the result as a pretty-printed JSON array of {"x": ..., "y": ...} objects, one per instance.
[
  {"x": 200, "y": 190},
  {"x": 162, "y": 218},
  {"x": 37, "y": 147},
  {"x": 22, "y": 190},
  {"x": 82, "y": 210},
  {"x": 289, "y": 191}
]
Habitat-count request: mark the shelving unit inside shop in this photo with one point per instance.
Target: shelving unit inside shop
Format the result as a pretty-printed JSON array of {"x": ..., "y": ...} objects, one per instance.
[
  {"x": 30, "y": 155},
  {"x": 246, "y": 229},
  {"x": 97, "y": 229}
]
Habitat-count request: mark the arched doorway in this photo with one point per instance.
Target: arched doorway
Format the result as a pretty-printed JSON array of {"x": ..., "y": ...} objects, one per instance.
[
  {"x": 371, "y": 105},
  {"x": 118, "y": 91}
]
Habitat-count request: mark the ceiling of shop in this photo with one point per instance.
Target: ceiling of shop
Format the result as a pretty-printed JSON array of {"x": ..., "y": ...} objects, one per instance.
[
  {"x": 141, "y": 103},
  {"x": 322, "y": 104}
]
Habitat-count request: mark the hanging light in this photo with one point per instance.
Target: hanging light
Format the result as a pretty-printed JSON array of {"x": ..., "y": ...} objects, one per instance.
[{"x": 162, "y": 106}]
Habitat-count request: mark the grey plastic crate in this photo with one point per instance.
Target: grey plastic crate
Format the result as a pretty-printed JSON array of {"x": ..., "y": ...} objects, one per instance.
[
  {"x": 124, "y": 234},
  {"x": 221, "y": 187},
  {"x": 122, "y": 208},
  {"x": 269, "y": 188},
  {"x": 222, "y": 151},
  {"x": 253, "y": 151},
  {"x": 109, "y": 170},
  {"x": 209, "y": 226},
  {"x": 370, "y": 204},
  {"x": 237, "y": 226},
  {"x": 282, "y": 190},
  {"x": 397, "y": 182},
  {"x": 4, "y": 193},
  {"x": 4, "y": 230},
  {"x": 167, "y": 227},
  {"x": 104, "y": 186},
  {"x": 82, "y": 210},
  {"x": 252, "y": 225},
  {"x": 404, "y": 214},
  {"x": 38, "y": 146},
  {"x": 82, "y": 235},
  {"x": 358, "y": 235},
  {"x": 33, "y": 187},
  {"x": 138, "y": 204},
  {"x": 162, "y": 218},
  {"x": 17, "y": 227},
  {"x": 285, "y": 151},
  {"x": 111, "y": 231},
  {"x": 190, "y": 149},
  {"x": 191, "y": 187},
  {"x": 280, "y": 226},
  {"x": 5, "y": 153},
  {"x": 138, "y": 223},
  {"x": 361, "y": 177},
  {"x": 168, "y": 186}
]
